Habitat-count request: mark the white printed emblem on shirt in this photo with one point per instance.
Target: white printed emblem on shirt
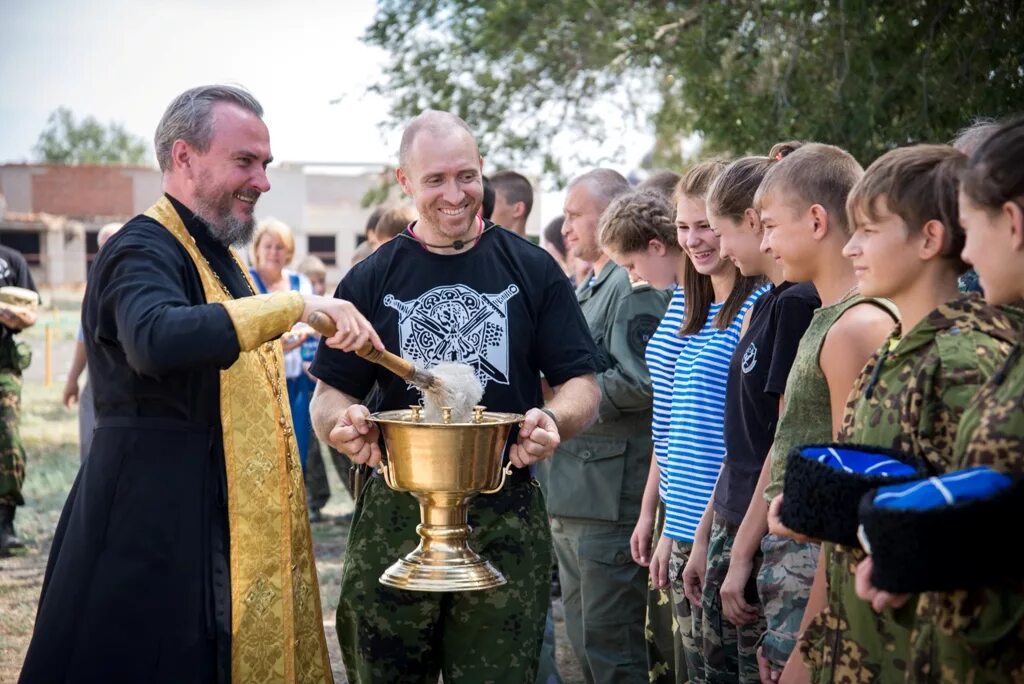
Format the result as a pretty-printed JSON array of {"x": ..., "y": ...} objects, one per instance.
[
  {"x": 457, "y": 323},
  {"x": 749, "y": 358}
]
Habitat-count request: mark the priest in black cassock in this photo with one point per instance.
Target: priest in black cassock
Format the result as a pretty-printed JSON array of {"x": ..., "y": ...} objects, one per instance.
[{"x": 183, "y": 553}]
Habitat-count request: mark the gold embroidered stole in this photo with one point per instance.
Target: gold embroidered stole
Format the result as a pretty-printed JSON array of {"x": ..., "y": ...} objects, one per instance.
[{"x": 277, "y": 632}]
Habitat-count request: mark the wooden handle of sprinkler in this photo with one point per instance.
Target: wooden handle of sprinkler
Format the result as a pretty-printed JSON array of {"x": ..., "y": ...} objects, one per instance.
[{"x": 404, "y": 369}]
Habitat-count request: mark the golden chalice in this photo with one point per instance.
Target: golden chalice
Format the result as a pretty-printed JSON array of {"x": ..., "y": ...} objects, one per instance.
[{"x": 444, "y": 465}]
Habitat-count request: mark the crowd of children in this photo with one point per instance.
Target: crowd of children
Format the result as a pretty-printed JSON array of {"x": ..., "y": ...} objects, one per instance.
[{"x": 832, "y": 410}]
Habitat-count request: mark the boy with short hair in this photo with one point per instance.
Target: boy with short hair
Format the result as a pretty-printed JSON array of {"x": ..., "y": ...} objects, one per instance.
[
  {"x": 975, "y": 633},
  {"x": 802, "y": 204},
  {"x": 909, "y": 398}
]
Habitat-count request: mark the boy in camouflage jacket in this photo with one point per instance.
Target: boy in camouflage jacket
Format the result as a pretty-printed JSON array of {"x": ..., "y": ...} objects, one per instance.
[
  {"x": 911, "y": 394},
  {"x": 978, "y": 635}
]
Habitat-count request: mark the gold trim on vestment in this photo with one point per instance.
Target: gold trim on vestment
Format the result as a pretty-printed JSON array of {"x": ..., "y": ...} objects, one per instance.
[
  {"x": 264, "y": 317},
  {"x": 277, "y": 633}
]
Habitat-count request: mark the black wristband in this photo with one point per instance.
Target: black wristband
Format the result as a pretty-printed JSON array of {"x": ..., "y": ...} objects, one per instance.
[{"x": 551, "y": 413}]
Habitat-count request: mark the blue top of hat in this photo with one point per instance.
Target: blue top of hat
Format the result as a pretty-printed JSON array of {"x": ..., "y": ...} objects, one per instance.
[
  {"x": 858, "y": 461},
  {"x": 956, "y": 487}
]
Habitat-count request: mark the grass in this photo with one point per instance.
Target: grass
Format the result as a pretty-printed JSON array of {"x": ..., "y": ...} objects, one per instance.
[{"x": 50, "y": 433}]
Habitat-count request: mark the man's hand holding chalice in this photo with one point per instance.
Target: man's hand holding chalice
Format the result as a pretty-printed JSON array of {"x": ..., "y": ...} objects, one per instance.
[{"x": 538, "y": 438}]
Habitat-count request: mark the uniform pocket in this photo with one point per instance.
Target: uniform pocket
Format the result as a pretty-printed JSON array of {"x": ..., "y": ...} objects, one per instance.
[
  {"x": 611, "y": 550},
  {"x": 584, "y": 478}
]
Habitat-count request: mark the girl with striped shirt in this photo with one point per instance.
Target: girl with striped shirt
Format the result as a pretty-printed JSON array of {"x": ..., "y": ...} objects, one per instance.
[{"x": 717, "y": 300}]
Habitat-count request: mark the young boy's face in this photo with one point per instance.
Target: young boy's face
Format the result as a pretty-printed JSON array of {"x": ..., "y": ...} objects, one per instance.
[
  {"x": 319, "y": 284},
  {"x": 788, "y": 236},
  {"x": 885, "y": 255}
]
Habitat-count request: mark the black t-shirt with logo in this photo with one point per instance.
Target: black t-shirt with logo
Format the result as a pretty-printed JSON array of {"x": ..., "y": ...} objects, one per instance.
[
  {"x": 757, "y": 378},
  {"x": 503, "y": 306}
]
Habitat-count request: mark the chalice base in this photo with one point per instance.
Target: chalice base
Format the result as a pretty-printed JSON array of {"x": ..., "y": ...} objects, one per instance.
[{"x": 437, "y": 564}]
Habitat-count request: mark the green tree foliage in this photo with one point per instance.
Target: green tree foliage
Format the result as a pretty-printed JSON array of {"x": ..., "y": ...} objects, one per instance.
[
  {"x": 867, "y": 76},
  {"x": 66, "y": 141}
]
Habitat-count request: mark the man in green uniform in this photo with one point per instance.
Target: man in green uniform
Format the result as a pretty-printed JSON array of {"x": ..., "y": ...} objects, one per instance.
[
  {"x": 595, "y": 482},
  {"x": 15, "y": 316}
]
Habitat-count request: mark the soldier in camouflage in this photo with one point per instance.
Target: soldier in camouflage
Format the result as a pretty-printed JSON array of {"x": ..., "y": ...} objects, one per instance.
[
  {"x": 911, "y": 394},
  {"x": 14, "y": 358},
  {"x": 909, "y": 398},
  {"x": 978, "y": 635}
]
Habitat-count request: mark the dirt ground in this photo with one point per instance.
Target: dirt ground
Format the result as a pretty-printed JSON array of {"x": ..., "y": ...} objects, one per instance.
[{"x": 50, "y": 433}]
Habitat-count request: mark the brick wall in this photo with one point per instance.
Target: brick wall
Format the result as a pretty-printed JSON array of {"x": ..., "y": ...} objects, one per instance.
[{"x": 82, "y": 191}]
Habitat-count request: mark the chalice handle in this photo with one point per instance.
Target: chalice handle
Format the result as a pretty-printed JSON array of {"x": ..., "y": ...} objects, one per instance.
[
  {"x": 386, "y": 474},
  {"x": 505, "y": 472}
]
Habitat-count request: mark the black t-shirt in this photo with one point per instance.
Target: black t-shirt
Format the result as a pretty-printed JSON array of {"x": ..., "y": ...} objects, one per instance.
[
  {"x": 13, "y": 271},
  {"x": 504, "y": 307},
  {"x": 757, "y": 378}
]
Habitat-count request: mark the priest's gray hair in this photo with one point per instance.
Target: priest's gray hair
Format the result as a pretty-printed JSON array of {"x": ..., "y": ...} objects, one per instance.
[
  {"x": 189, "y": 117},
  {"x": 437, "y": 122},
  {"x": 604, "y": 184}
]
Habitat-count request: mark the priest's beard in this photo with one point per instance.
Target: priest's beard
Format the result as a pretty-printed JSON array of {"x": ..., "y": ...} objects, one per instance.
[{"x": 214, "y": 209}]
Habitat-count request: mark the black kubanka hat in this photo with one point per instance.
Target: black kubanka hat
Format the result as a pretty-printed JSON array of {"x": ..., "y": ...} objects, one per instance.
[
  {"x": 944, "y": 533},
  {"x": 824, "y": 484}
]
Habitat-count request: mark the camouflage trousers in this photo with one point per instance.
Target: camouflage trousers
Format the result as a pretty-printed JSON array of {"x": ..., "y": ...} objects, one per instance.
[
  {"x": 784, "y": 585},
  {"x": 730, "y": 652},
  {"x": 666, "y": 663},
  {"x": 390, "y": 636},
  {"x": 12, "y": 451},
  {"x": 603, "y": 592},
  {"x": 688, "y": 617}
]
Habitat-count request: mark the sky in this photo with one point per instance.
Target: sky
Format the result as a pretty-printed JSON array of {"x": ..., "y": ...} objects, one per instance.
[{"x": 124, "y": 60}]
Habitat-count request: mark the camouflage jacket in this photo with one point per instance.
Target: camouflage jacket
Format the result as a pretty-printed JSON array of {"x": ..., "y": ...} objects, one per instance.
[
  {"x": 978, "y": 636},
  {"x": 910, "y": 397}
]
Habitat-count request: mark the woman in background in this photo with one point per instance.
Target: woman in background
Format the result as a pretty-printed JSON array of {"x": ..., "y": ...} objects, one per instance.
[{"x": 273, "y": 247}]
